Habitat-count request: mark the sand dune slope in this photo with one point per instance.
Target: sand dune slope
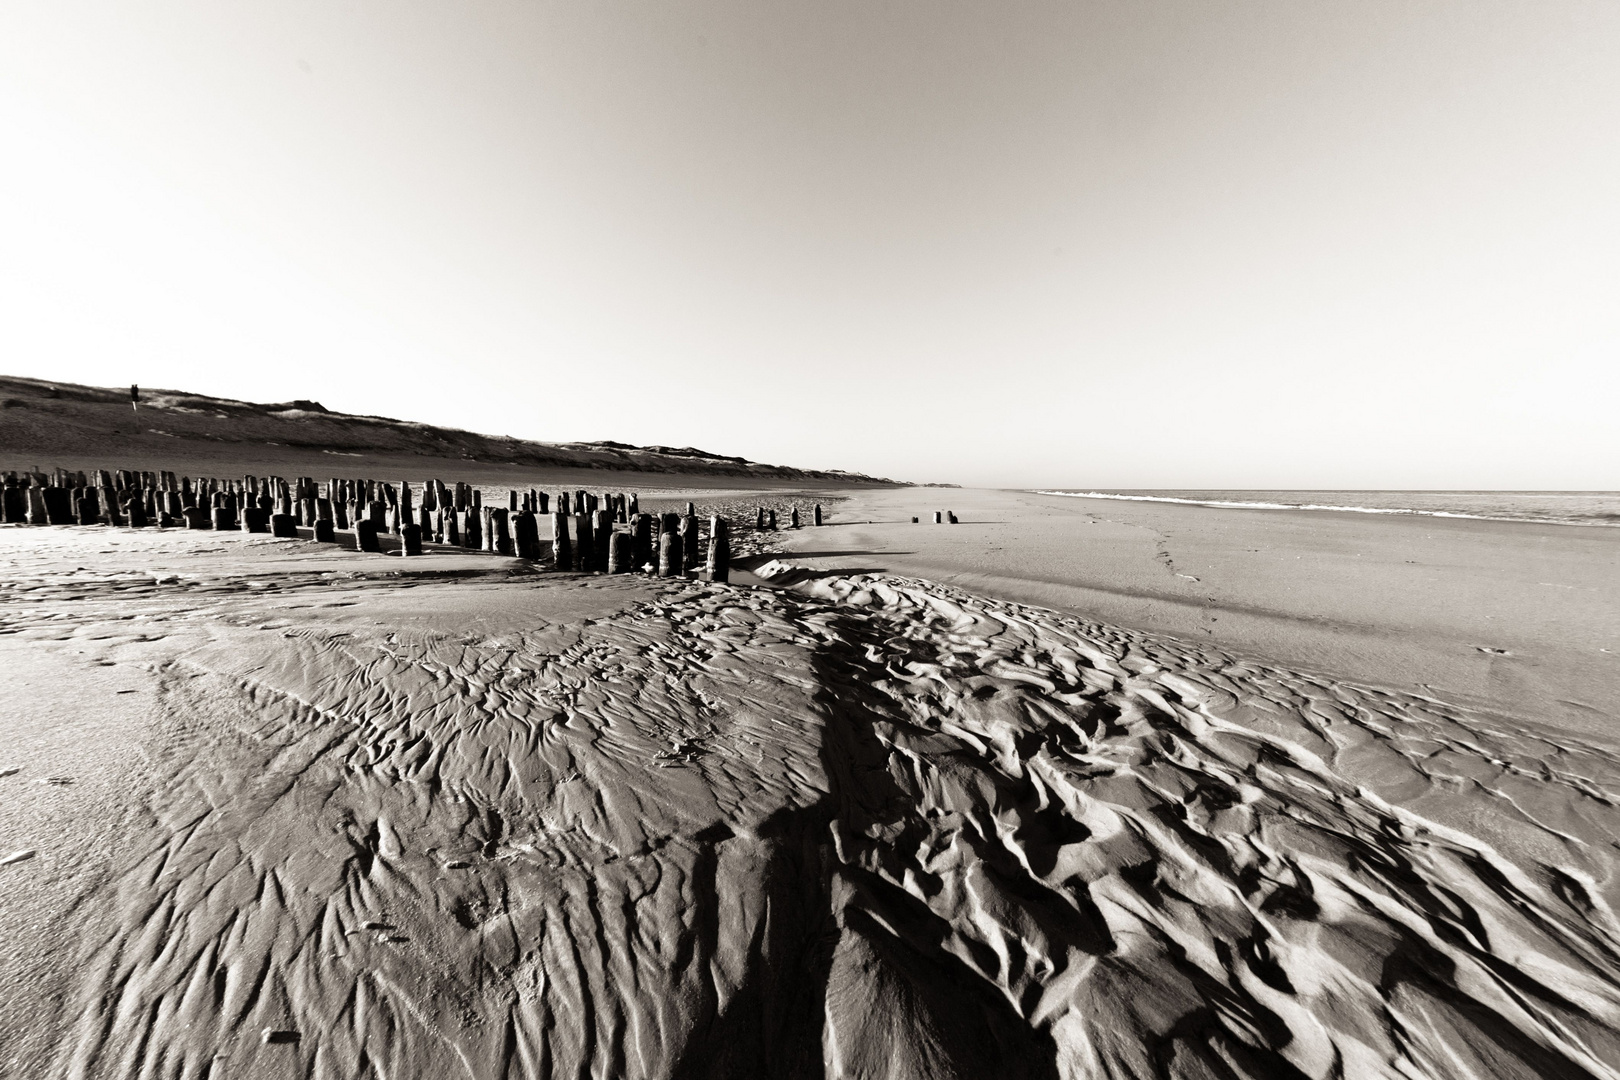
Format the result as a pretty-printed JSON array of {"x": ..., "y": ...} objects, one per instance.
[{"x": 431, "y": 826}]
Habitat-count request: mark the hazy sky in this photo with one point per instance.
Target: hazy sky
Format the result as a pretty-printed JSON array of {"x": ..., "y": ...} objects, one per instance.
[{"x": 1312, "y": 243}]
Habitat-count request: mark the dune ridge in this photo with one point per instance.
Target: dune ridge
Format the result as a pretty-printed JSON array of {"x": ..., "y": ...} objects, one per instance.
[{"x": 463, "y": 821}]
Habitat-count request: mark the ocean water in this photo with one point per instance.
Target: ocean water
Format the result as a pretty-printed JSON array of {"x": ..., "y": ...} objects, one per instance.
[{"x": 1559, "y": 507}]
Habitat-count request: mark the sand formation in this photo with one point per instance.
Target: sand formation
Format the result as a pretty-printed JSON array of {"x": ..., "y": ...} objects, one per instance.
[
  {"x": 854, "y": 827},
  {"x": 586, "y": 532}
]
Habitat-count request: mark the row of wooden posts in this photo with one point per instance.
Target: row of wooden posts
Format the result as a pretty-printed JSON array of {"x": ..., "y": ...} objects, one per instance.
[{"x": 584, "y": 527}]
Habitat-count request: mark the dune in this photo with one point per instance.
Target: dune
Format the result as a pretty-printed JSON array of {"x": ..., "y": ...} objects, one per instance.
[
  {"x": 66, "y": 425},
  {"x": 295, "y": 811}
]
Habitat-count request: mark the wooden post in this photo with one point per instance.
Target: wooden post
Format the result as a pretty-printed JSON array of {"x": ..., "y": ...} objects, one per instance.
[
  {"x": 759, "y": 517},
  {"x": 950, "y": 516},
  {"x": 936, "y": 517},
  {"x": 691, "y": 549},
  {"x": 502, "y": 543},
  {"x": 545, "y": 503},
  {"x": 817, "y": 518},
  {"x": 795, "y": 519},
  {"x": 584, "y": 544},
  {"x": 719, "y": 564},
  {"x": 365, "y": 535},
  {"x": 619, "y": 546},
  {"x": 641, "y": 552},
  {"x": 602, "y": 528},
  {"x": 222, "y": 518},
  {"x": 526, "y": 536},
  {"x": 324, "y": 532},
  {"x": 562, "y": 553},
  {"x": 284, "y": 526},
  {"x": 669, "y": 554},
  {"x": 770, "y": 520},
  {"x": 691, "y": 510},
  {"x": 410, "y": 540}
]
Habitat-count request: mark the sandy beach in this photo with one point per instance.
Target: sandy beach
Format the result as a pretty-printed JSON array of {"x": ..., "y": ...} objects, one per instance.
[
  {"x": 1515, "y": 617},
  {"x": 277, "y": 809}
]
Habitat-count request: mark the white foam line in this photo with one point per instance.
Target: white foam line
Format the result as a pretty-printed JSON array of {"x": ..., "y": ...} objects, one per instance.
[{"x": 1317, "y": 506}]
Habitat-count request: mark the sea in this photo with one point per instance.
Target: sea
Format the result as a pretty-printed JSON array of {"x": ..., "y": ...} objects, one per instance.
[{"x": 1556, "y": 507}]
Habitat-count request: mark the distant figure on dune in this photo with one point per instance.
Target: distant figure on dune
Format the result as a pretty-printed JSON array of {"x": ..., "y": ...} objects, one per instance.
[{"x": 134, "y": 397}]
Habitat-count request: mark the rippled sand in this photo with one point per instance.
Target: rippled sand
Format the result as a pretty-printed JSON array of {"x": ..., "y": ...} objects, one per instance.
[{"x": 451, "y": 820}]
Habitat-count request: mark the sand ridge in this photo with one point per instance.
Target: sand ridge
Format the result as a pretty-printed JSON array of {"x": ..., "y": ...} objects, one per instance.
[{"x": 513, "y": 825}]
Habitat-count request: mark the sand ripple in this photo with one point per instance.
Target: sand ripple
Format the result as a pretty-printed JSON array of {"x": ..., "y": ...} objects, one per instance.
[{"x": 866, "y": 828}]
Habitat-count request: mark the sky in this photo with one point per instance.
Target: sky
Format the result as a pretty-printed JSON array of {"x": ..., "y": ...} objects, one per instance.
[{"x": 1156, "y": 243}]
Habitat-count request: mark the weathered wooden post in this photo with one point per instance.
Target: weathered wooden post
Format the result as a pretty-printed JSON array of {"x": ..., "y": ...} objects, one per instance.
[
  {"x": 58, "y": 505},
  {"x": 691, "y": 509},
  {"x": 641, "y": 552},
  {"x": 450, "y": 521},
  {"x": 669, "y": 554},
  {"x": 584, "y": 543},
  {"x": 691, "y": 549},
  {"x": 222, "y": 518},
  {"x": 365, "y": 535},
  {"x": 472, "y": 535},
  {"x": 950, "y": 516},
  {"x": 602, "y": 528},
  {"x": 503, "y": 535},
  {"x": 759, "y": 518},
  {"x": 325, "y": 533},
  {"x": 619, "y": 553},
  {"x": 794, "y": 521},
  {"x": 817, "y": 518},
  {"x": 562, "y": 552},
  {"x": 545, "y": 503},
  {"x": 424, "y": 521},
  {"x": 284, "y": 526},
  {"x": 410, "y": 540},
  {"x": 87, "y": 508},
  {"x": 770, "y": 520},
  {"x": 634, "y": 507},
  {"x": 719, "y": 564},
  {"x": 936, "y": 517},
  {"x": 135, "y": 512},
  {"x": 526, "y": 536}
]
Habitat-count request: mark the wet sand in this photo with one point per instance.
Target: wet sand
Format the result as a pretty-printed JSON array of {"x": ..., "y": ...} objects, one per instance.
[
  {"x": 1510, "y": 616},
  {"x": 272, "y": 809}
]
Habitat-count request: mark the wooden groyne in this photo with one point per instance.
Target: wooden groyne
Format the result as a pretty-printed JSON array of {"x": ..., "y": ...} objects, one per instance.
[{"x": 576, "y": 531}]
